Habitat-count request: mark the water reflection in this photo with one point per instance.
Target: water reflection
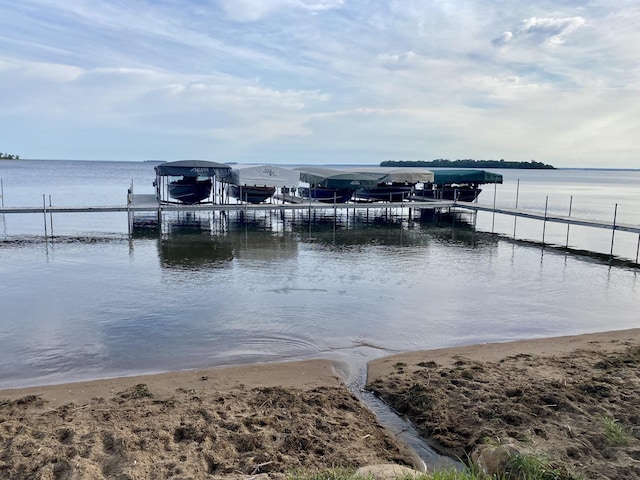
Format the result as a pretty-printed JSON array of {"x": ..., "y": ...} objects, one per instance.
[
  {"x": 194, "y": 250},
  {"x": 203, "y": 241}
]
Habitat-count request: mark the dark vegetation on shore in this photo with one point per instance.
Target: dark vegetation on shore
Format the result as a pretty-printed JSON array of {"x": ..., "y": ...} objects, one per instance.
[
  {"x": 467, "y": 163},
  {"x": 579, "y": 411},
  {"x": 9, "y": 156}
]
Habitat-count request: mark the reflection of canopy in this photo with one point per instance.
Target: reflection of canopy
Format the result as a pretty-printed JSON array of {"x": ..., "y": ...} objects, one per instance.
[
  {"x": 464, "y": 175},
  {"x": 264, "y": 176},
  {"x": 409, "y": 175},
  {"x": 193, "y": 168},
  {"x": 339, "y": 179}
]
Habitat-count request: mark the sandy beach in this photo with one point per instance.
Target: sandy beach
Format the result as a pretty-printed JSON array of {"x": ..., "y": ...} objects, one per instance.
[{"x": 550, "y": 396}]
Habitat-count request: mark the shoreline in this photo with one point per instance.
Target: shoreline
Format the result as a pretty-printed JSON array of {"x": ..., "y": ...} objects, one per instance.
[
  {"x": 316, "y": 372},
  {"x": 610, "y": 341},
  {"x": 299, "y": 374},
  {"x": 273, "y": 418}
]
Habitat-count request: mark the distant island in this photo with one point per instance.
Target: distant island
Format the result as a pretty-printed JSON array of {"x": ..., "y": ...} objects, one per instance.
[
  {"x": 467, "y": 163},
  {"x": 9, "y": 156}
]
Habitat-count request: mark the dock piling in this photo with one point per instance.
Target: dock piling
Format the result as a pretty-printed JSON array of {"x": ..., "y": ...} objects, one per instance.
[
  {"x": 515, "y": 219},
  {"x": 493, "y": 221},
  {"x": 544, "y": 222},
  {"x": 44, "y": 212},
  {"x": 566, "y": 244},
  {"x": 613, "y": 229}
]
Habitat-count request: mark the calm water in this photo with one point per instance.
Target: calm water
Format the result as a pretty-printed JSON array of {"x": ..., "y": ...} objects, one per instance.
[{"x": 217, "y": 290}]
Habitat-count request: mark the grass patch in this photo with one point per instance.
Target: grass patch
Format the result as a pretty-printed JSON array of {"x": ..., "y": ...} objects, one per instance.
[
  {"x": 615, "y": 434},
  {"x": 535, "y": 467},
  {"x": 520, "y": 467}
]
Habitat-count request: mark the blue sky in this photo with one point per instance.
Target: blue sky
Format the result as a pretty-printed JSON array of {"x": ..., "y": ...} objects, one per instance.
[{"x": 322, "y": 81}]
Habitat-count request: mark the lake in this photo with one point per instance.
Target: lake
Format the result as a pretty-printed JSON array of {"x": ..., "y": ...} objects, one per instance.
[{"x": 213, "y": 289}]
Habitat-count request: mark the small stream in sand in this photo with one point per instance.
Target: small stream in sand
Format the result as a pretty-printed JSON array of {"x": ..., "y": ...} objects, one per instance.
[{"x": 354, "y": 373}]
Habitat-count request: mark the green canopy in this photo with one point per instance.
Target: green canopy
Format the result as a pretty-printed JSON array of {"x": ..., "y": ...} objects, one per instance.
[{"x": 464, "y": 175}]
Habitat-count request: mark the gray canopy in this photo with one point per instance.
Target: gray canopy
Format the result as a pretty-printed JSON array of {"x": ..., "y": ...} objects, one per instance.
[
  {"x": 264, "y": 176},
  {"x": 340, "y": 179},
  {"x": 410, "y": 175}
]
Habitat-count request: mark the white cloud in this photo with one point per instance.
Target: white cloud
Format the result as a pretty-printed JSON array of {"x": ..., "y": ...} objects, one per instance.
[
  {"x": 551, "y": 31},
  {"x": 399, "y": 61}
]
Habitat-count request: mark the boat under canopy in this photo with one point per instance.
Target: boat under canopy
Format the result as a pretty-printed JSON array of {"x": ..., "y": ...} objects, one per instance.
[
  {"x": 331, "y": 185},
  {"x": 188, "y": 181},
  {"x": 256, "y": 183},
  {"x": 461, "y": 184}
]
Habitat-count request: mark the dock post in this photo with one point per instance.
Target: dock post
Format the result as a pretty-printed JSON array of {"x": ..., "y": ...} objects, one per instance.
[
  {"x": 544, "y": 223},
  {"x": 515, "y": 217},
  {"x": 50, "y": 217},
  {"x": 129, "y": 215},
  {"x": 638, "y": 249},
  {"x": 566, "y": 244},
  {"x": 1, "y": 193},
  {"x": 613, "y": 229},
  {"x": 493, "y": 220},
  {"x": 44, "y": 212}
]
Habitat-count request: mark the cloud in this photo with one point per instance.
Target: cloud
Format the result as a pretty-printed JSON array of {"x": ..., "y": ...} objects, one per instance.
[
  {"x": 399, "y": 61},
  {"x": 502, "y": 39},
  {"x": 551, "y": 31},
  {"x": 214, "y": 105},
  {"x": 253, "y": 10},
  {"x": 317, "y": 76}
]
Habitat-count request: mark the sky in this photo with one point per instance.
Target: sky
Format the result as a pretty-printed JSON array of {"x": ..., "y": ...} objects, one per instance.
[{"x": 322, "y": 81}]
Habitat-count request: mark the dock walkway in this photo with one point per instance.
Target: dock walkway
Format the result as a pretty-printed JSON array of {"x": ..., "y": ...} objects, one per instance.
[
  {"x": 550, "y": 218},
  {"x": 149, "y": 204}
]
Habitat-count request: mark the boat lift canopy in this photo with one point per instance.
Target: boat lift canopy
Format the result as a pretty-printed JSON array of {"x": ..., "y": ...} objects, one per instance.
[
  {"x": 337, "y": 179},
  {"x": 264, "y": 176},
  {"x": 193, "y": 168},
  {"x": 465, "y": 175},
  {"x": 408, "y": 175}
]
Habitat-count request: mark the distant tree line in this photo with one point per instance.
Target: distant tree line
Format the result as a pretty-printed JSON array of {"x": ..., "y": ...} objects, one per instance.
[
  {"x": 9, "y": 156},
  {"x": 467, "y": 163}
]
